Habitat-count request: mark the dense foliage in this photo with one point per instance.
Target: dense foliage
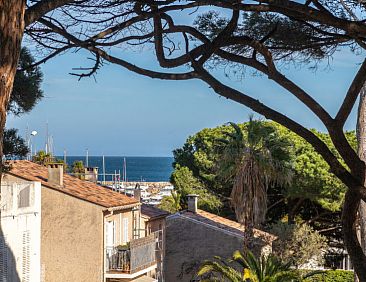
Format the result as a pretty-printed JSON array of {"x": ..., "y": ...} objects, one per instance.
[
  {"x": 314, "y": 194},
  {"x": 298, "y": 244},
  {"x": 332, "y": 276},
  {"x": 185, "y": 183},
  {"x": 253, "y": 159},
  {"x": 14, "y": 146},
  {"x": 26, "y": 94},
  {"x": 248, "y": 268}
]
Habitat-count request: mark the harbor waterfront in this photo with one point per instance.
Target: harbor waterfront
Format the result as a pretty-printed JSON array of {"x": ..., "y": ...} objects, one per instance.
[{"x": 138, "y": 169}]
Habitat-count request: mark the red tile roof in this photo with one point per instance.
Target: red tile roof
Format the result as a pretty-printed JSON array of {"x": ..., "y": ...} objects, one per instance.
[
  {"x": 73, "y": 186},
  {"x": 225, "y": 224},
  {"x": 152, "y": 212}
]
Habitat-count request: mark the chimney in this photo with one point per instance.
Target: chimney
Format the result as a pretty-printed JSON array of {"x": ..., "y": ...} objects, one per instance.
[
  {"x": 91, "y": 174},
  {"x": 137, "y": 192},
  {"x": 56, "y": 174},
  {"x": 192, "y": 202}
]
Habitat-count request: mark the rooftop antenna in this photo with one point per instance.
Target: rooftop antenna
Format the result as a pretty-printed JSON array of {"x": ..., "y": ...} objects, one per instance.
[{"x": 87, "y": 158}]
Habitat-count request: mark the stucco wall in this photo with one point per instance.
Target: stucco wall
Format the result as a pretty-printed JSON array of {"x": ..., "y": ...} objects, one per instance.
[
  {"x": 189, "y": 243},
  {"x": 72, "y": 239},
  {"x": 118, "y": 217}
]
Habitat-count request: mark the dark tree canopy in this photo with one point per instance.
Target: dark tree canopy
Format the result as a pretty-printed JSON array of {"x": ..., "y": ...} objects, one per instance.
[
  {"x": 14, "y": 146},
  {"x": 26, "y": 94},
  {"x": 27, "y": 90}
]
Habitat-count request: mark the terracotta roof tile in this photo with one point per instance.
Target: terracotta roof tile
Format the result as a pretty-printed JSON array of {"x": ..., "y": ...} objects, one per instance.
[
  {"x": 73, "y": 186},
  {"x": 225, "y": 224},
  {"x": 152, "y": 212}
]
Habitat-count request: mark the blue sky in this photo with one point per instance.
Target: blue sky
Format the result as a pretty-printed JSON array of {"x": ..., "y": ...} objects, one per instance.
[{"x": 127, "y": 114}]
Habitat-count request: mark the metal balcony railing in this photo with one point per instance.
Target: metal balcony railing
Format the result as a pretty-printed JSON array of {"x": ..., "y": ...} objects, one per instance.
[{"x": 139, "y": 254}]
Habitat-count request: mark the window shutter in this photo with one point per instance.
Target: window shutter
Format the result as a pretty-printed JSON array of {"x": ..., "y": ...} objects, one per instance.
[
  {"x": 3, "y": 260},
  {"x": 24, "y": 197},
  {"x": 26, "y": 257},
  {"x": 125, "y": 230},
  {"x": 110, "y": 234}
]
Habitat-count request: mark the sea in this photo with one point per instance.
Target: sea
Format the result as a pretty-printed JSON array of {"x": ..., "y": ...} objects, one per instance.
[{"x": 149, "y": 169}]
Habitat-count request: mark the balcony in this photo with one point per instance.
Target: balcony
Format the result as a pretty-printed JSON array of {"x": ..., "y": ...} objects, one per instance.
[{"x": 139, "y": 257}]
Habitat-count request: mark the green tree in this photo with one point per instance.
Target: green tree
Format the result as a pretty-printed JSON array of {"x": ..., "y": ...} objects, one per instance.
[
  {"x": 171, "y": 203},
  {"x": 254, "y": 159},
  {"x": 14, "y": 145},
  {"x": 42, "y": 158},
  {"x": 27, "y": 90},
  {"x": 78, "y": 169},
  {"x": 25, "y": 95},
  {"x": 298, "y": 243},
  {"x": 185, "y": 183},
  {"x": 315, "y": 194}
]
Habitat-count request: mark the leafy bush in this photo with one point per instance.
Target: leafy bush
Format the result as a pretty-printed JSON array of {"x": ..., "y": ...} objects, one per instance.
[
  {"x": 332, "y": 276},
  {"x": 298, "y": 243}
]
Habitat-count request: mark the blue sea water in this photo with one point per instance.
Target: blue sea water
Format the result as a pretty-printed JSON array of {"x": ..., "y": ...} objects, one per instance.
[{"x": 150, "y": 169}]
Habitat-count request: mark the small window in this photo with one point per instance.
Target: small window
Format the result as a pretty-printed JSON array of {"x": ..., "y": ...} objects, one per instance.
[{"x": 24, "y": 197}]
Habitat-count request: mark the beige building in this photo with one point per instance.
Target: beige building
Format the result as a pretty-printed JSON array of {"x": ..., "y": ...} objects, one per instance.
[
  {"x": 55, "y": 227},
  {"x": 194, "y": 235}
]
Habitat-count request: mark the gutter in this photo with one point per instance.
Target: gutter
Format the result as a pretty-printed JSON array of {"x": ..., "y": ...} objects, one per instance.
[{"x": 124, "y": 207}]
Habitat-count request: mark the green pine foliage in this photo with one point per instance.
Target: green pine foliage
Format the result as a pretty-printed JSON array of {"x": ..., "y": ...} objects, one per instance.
[
  {"x": 313, "y": 192},
  {"x": 185, "y": 183},
  {"x": 27, "y": 85}
]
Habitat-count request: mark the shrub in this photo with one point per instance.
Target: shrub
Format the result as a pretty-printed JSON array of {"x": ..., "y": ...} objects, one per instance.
[
  {"x": 332, "y": 276},
  {"x": 298, "y": 243}
]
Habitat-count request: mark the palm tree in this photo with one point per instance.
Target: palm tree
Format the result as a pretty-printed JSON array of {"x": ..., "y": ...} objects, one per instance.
[
  {"x": 253, "y": 159},
  {"x": 78, "y": 169},
  {"x": 42, "y": 158},
  {"x": 251, "y": 269}
]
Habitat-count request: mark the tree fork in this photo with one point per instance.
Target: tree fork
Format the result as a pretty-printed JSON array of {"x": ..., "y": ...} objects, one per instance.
[{"x": 11, "y": 34}]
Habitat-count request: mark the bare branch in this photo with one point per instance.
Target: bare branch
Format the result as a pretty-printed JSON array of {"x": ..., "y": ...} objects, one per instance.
[
  {"x": 352, "y": 94},
  {"x": 37, "y": 11}
]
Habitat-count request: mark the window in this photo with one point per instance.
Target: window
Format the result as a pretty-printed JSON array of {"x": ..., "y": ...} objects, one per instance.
[{"x": 24, "y": 197}]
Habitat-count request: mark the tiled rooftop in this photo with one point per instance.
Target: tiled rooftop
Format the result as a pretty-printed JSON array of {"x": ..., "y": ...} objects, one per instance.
[
  {"x": 225, "y": 224},
  {"x": 152, "y": 212},
  {"x": 73, "y": 186}
]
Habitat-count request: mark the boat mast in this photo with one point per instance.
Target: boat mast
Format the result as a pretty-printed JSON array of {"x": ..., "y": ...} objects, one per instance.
[
  {"x": 103, "y": 171},
  {"x": 87, "y": 158},
  {"x": 65, "y": 157}
]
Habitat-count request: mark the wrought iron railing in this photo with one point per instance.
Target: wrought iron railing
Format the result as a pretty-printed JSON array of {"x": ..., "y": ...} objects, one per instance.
[{"x": 140, "y": 254}]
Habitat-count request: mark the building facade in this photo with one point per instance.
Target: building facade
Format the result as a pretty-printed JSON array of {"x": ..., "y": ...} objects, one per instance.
[
  {"x": 55, "y": 227},
  {"x": 194, "y": 235}
]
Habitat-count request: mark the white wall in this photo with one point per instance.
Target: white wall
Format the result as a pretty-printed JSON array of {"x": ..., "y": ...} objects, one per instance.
[{"x": 21, "y": 226}]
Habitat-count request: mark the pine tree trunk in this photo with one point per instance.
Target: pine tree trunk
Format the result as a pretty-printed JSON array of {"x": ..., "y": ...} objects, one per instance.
[
  {"x": 11, "y": 33},
  {"x": 361, "y": 139}
]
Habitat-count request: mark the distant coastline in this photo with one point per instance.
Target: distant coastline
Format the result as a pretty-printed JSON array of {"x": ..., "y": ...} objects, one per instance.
[{"x": 139, "y": 169}]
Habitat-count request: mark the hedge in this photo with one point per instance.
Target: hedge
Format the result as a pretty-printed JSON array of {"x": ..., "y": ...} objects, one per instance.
[{"x": 332, "y": 276}]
